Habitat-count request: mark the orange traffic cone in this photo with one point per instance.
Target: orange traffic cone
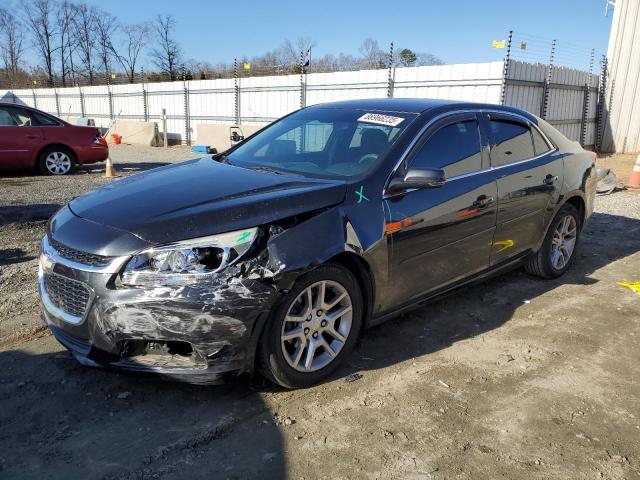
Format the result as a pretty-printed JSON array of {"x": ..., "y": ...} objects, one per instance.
[
  {"x": 634, "y": 179},
  {"x": 110, "y": 170}
]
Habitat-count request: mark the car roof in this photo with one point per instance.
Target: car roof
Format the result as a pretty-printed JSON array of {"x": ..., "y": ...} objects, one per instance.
[{"x": 418, "y": 106}]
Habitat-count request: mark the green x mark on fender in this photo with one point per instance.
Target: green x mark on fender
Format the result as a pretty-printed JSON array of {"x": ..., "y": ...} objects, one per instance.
[
  {"x": 243, "y": 237},
  {"x": 361, "y": 195}
]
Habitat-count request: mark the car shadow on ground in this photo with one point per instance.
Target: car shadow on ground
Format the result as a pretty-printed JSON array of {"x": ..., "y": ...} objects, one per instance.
[
  {"x": 9, "y": 256},
  {"x": 61, "y": 420},
  {"x": 20, "y": 214}
]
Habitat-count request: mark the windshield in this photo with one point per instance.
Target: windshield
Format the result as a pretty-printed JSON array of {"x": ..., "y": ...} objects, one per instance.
[{"x": 323, "y": 142}]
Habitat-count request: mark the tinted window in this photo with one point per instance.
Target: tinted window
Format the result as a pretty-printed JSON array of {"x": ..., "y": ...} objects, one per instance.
[
  {"x": 539, "y": 144},
  {"x": 511, "y": 142},
  {"x": 454, "y": 148},
  {"x": 6, "y": 120}
]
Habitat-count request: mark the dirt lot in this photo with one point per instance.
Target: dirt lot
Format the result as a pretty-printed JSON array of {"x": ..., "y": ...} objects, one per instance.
[{"x": 515, "y": 378}]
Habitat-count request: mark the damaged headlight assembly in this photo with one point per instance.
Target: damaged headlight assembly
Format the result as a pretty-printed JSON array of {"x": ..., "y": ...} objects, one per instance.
[{"x": 188, "y": 261}]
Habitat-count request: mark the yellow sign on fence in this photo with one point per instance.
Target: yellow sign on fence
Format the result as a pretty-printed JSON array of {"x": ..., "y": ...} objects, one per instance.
[
  {"x": 498, "y": 44},
  {"x": 246, "y": 65}
]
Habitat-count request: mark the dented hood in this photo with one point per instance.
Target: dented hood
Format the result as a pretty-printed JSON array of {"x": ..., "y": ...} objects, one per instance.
[{"x": 202, "y": 197}]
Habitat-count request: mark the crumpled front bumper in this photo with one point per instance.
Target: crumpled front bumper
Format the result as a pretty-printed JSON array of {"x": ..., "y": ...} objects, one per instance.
[{"x": 196, "y": 333}]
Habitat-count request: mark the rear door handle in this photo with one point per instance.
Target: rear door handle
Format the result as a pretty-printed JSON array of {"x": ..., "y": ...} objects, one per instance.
[
  {"x": 550, "y": 179},
  {"x": 483, "y": 201},
  {"x": 32, "y": 136}
]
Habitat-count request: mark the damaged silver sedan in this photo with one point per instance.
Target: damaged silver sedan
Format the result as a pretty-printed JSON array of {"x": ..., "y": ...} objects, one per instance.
[{"x": 275, "y": 254}]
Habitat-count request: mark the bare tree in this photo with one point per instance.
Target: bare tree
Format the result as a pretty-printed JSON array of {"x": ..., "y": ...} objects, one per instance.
[
  {"x": 64, "y": 22},
  {"x": 425, "y": 59},
  {"x": 135, "y": 39},
  {"x": 11, "y": 45},
  {"x": 106, "y": 27},
  {"x": 39, "y": 17},
  {"x": 372, "y": 56},
  {"x": 166, "y": 56},
  {"x": 289, "y": 52},
  {"x": 84, "y": 31}
]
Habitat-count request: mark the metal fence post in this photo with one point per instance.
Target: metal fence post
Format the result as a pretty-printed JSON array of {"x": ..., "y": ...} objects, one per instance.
[
  {"x": 55, "y": 93},
  {"x": 390, "y": 80},
  {"x": 35, "y": 98},
  {"x": 110, "y": 98},
  {"x": 145, "y": 99},
  {"x": 236, "y": 88},
  {"x": 164, "y": 127},
  {"x": 187, "y": 118},
  {"x": 585, "y": 102},
  {"x": 303, "y": 93},
  {"x": 547, "y": 81},
  {"x": 82, "y": 109},
  {"x": 602, "y": 89},
  {"x": 505, "y": 69}
]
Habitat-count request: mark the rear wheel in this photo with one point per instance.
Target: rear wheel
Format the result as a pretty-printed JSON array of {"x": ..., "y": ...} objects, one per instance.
[
  {"x": 56, "y": 160},
  {"x": 314, "y": 328},
  {"x": 557, "y": 251}
]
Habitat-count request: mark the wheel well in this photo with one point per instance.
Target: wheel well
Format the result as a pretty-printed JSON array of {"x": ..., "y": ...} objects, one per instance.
[
  {"x": 578, "y": 202},
  {"x": 59, "y": 145},
  {"x": 360, "y": 269}
]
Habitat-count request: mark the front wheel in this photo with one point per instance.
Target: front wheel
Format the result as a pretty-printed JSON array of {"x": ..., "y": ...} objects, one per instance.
[
  {"x": 559, "y": 245},
  {"x": 314, "y": 328}
]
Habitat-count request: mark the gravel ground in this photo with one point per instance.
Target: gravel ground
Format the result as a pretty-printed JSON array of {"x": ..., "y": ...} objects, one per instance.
[{"x": 514, "y": 378}]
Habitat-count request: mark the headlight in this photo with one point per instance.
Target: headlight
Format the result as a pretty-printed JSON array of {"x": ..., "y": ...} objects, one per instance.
[{"x": 188, "y": 261}]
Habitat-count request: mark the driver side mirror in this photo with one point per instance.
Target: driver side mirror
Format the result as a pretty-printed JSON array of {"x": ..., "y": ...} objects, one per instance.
[{"x": 418, "y": 178}]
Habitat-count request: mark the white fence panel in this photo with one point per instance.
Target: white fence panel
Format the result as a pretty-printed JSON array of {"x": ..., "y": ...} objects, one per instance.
[{"x": 264, "y": 99}]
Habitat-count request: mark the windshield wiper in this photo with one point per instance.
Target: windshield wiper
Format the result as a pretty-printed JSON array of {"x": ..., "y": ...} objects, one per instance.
[{"x": 262, "y": 168}]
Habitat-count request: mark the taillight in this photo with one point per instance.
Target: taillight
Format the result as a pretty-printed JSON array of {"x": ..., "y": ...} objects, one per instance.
[{"x": 99, "y": 140}]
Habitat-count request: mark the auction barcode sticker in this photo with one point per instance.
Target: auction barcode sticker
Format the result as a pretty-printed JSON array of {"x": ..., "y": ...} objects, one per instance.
[{"x": 381, "y": 119}]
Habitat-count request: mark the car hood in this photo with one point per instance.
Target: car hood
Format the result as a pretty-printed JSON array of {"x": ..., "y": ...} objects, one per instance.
[{"x": 202, "y": 197}]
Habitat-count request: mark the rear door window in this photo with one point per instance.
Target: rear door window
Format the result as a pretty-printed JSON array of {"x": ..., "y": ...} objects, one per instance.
[
  {"x": 510, "y": 142},
  {"x": 454, "y": 147}
]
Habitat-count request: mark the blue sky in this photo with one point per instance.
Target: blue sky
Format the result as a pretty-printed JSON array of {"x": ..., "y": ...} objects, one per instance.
[{"x": 458, "y": 31}]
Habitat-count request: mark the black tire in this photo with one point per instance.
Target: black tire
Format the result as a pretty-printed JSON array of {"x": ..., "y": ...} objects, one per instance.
[
  {"x": 540, "y": 263},
  {"x": 271, "y": 361},
  {"x": 53, "y": 150}
]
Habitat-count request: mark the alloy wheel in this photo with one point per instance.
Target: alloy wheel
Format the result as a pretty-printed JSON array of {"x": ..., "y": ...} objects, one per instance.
[
  {"x": 563, "y": 242},
  {"x": 58, "y": 163},
  {"x": 316, "y": 326}
]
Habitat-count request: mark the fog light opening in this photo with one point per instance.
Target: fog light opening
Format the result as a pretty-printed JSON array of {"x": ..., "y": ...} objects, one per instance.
[{"x": 134, "y": 348}]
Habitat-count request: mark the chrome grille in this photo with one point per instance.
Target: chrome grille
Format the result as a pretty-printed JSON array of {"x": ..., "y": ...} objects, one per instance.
[
  {"x": 67, "y": 294},
  {"x": 78, "y": 256}
]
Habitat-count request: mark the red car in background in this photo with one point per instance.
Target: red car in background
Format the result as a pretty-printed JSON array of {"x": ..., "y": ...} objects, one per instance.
[{"x": 33, "y": 139}]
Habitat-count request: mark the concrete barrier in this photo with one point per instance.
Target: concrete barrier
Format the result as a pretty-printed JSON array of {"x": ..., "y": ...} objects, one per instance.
[
  {"x": 136, "y": 133},
  {"x": 83, "y": 121},
  {"x": 218, "y": 135}
]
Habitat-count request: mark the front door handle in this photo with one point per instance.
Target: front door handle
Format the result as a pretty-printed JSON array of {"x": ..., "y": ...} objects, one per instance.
[
  {"x": 483, "y": 201},
  {"x": 550, "y": 179},
  {"x": 31, "y": 137}
]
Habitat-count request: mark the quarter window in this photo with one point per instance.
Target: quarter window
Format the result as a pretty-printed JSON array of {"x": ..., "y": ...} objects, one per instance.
[
  {"x": 540, "y": 145},
  {"x": 43, "y": 120},
  {"x": 511, "y": 142},
  {"x": 455, "y": 148}
]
